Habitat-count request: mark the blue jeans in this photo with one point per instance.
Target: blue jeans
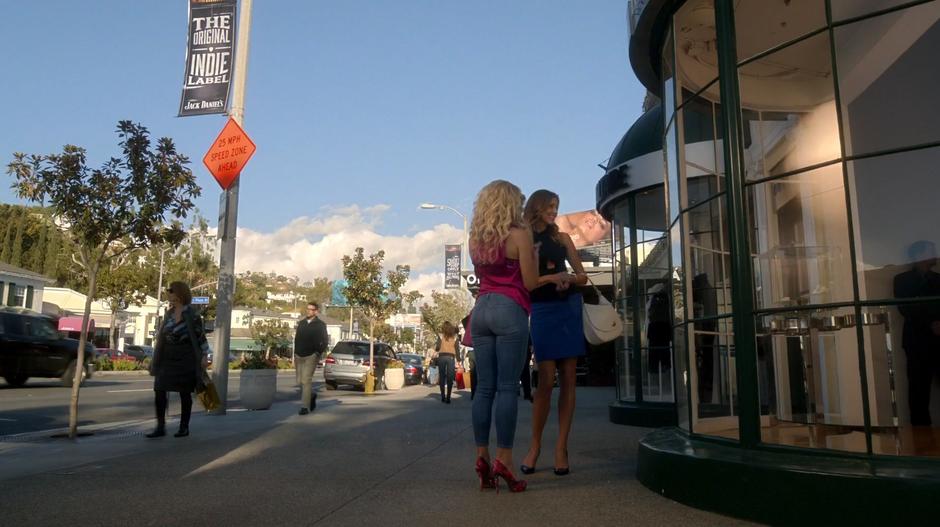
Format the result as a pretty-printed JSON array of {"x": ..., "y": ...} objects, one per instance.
[{"x": 500, "y": 332}]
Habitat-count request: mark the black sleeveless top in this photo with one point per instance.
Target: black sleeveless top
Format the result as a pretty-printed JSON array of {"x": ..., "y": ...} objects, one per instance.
[{"x": 552, "y": 256}]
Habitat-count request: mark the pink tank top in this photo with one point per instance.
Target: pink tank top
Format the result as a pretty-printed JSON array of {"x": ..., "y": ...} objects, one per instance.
[{"x": 504, "y": 277}]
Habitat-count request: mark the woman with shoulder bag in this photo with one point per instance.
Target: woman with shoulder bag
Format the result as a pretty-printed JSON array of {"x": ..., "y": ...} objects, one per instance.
[
  {"x": 178, "y": 358},
  {"x": 557, "y": 326}
]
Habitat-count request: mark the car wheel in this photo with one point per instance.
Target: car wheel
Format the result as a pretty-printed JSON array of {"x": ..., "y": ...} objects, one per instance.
[
  {"x": 15, "y": 380},
  {"x": 330, "y": 385},
  {"x": 69, "y": 377}
]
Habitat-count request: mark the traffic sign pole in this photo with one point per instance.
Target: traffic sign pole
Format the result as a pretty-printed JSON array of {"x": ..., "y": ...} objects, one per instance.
[{"x": 227, "y": 228}]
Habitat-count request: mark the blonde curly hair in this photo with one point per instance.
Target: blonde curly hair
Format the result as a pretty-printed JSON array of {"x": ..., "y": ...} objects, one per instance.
[{"x": 498, "y": 208}]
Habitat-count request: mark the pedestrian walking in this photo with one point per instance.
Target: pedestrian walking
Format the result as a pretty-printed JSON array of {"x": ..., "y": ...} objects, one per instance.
[
  {"x": 504, "y": 259},
  {"x": 310, "y": 342},
  {"x": 448, "y": 356},
  {"x": 178, "y": 358},
  {"x": 557, "y": 329}
]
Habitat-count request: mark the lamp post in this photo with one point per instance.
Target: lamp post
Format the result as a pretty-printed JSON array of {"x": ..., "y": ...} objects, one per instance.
[{"x": 463, "y": 243}]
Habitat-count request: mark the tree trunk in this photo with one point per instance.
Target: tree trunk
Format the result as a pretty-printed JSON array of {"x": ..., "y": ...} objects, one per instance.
[
  {"x": 80, "y": 359},
  {"x": 371, "y": 345},
  {"x": 113, "y": 341}
]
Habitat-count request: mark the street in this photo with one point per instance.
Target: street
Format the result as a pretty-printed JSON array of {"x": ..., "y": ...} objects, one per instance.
[{"x": 43, "y": 404}]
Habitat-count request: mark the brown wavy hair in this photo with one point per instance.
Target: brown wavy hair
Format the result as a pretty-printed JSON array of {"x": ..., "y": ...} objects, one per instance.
[
  {"x": 539, "y": 201},
  {"x": 498, "y": 208}
]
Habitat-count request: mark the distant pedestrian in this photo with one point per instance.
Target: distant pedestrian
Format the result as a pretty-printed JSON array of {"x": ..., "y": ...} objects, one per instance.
[
  {"x": 178, "y": 358},
  {"x": 448, "y": 356},
  {"x": 310, "y": 342},
  {"x": 557, "y": 329},
  {"x": 505, "y": 261}
]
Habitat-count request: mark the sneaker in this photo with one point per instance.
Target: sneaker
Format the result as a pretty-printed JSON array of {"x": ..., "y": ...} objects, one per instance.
[{"x": 304, "y": 411}]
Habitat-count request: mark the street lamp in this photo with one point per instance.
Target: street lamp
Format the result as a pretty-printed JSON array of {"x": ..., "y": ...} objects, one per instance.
[{"x": 464, "y": 243}]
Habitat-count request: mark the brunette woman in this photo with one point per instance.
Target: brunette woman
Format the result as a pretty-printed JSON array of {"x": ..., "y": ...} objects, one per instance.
[
  {"x": 177, "y": 359},
  {"x": 505, "y": 261},
  {"x": 557, "y": 331}
]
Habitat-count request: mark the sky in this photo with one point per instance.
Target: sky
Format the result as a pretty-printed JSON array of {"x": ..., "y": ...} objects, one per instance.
[{"x": 360, "y": 110}]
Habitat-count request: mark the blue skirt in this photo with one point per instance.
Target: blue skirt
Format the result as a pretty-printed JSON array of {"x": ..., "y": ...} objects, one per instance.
[{"x": 557, "y": 329}]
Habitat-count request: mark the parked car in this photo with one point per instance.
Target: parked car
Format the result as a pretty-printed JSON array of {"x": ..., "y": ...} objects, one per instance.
[
  {"x": 348, "y": 363},
  {"x": 30, "y": 346},
  {"x": 113, "y": 354},
  {"x": 139, "y": 352},
  {"x": 414, "y": 367}
]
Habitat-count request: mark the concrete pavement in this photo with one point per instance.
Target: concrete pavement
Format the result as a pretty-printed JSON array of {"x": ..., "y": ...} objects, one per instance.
[{"x": 396, "y": 458}]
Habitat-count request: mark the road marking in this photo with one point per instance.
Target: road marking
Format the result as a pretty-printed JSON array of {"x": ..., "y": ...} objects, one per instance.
[
  {"x": 141, "y": 390},
  {"x": 5, "y": 419}
]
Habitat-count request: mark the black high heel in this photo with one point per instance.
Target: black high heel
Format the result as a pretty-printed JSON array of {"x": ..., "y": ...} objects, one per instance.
[
  {"x": 563, "y": 471},
  {"x": 526, "y": 469}
]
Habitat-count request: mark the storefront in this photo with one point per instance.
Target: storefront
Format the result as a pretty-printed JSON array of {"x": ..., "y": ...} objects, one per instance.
[{"x": 797, "y": 248}]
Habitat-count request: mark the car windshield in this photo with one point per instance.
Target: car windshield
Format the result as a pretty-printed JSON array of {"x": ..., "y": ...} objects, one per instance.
[
  {"x": 411, "y": 358},
  {"x": 352, "y": 348}
]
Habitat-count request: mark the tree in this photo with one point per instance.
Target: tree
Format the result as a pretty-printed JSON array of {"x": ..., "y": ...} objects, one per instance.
[
  {"x": 8, "y": 240},
  {"x": 272, "y": 334},
  {"x": 121, "y": 284},
  {"x": 130, "y": 202},
  {"x": 449, "y": 306},
  {"x": 367, "y": 291}
]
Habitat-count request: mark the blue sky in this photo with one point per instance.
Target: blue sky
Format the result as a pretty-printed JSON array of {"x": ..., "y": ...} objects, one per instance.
[{"x": 360, "y": 109}]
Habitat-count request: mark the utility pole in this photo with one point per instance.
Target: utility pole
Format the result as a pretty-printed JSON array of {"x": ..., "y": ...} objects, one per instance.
[{"x": 229, "y": 216}]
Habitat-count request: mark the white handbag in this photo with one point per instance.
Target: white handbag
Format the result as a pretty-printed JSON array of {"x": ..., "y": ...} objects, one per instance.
[{"x": 602, "y": 323}]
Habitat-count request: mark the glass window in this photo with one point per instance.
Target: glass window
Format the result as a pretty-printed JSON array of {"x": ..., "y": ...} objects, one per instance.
[
  {"x": 760, "y": 26},
  {"x": 712, "y": 379},
  {"x": 669, "y": 82},
  {"x": 788, "y": 109},
  {"x": 678, "y": 258},
  {"x": 903, "y": 378},
  {"x": 810, "y": 384},
  {"x": 696, "y": 46},
  {"x": 895, "y": 200},
  {"x": 702, "y": 178},
  {"x": 19, "y": 296},
  {"x": 681, "y": 354},
  {"x": 708, "y": 255},
  {"x": 673, "y": 181},
  {"x": 801, "y": 240},
  {"x": 888, "y": 76},
  {"x": 843, "y": 9}
]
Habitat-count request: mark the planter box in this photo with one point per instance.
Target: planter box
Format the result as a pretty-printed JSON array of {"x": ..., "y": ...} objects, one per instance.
[
  {"x": 394, "y": 378},
  {"x": 257, "y": 388}
]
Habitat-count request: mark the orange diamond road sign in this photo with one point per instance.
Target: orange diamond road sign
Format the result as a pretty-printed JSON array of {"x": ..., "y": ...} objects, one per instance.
[{"x": 229, "y": 154}]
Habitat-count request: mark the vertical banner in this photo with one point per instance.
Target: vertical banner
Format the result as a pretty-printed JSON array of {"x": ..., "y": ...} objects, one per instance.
[
  {"x": 210, "y": 54},
  {"x": 452, "y": 266}
]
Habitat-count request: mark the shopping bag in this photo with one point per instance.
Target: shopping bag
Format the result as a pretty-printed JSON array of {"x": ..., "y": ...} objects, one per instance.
[
  {"x": 467, "y": 379},
  {"x": 460, "y": 385},
  {"x": 209, "y": 397},
  {"x": 432, "y": 375}
]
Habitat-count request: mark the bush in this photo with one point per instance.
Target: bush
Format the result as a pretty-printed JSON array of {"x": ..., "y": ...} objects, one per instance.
[
  {"x": 103, "y": 364},
  {"x": 284, "y": 364},
  {"x": 125, "y": 365}
]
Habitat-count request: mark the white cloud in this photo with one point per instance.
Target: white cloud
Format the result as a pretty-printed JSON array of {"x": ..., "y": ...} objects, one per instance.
[{"x": 312, "y": 247}]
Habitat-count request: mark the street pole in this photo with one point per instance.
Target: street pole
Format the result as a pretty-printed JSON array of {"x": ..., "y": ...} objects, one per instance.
[{"x": 229, "y": 224}]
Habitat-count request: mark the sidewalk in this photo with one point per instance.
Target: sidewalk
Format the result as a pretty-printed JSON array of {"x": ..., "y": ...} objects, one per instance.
[{"x": 396, "y": 458}]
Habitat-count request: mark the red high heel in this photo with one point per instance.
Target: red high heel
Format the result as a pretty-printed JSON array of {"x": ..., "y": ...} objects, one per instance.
[
  {"x": 500, "y": 471},
  {"x": 487, "y": 480}
]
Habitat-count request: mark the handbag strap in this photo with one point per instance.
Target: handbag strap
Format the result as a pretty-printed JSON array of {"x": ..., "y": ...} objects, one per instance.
[{"x": 601, "y": 299}]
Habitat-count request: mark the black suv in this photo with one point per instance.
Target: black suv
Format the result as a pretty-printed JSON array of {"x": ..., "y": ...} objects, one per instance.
[{"x": 30, "y": 346}]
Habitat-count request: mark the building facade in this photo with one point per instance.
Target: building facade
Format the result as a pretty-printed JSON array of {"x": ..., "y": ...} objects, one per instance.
[{"x": 778, "y": 281}]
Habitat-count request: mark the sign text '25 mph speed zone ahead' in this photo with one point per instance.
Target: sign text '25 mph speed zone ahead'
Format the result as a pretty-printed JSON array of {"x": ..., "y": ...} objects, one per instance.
[{"x": 229, "y": 154}]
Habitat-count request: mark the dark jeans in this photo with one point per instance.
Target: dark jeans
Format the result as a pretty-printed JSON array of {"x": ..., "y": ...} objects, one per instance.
[
  {"x": 500, "y": 331},
  {"x": 162, "y": 401},
  {"x": 446, "y": 366},
  {"x": 922, "y": 366}
]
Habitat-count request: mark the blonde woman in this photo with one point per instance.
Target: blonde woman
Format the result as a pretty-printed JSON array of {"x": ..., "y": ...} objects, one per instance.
[{"x": 504, "y": 260}]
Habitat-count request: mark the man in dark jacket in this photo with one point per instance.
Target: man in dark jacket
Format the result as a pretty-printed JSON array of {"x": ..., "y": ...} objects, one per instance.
[{"x": 310, "y": 343}]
